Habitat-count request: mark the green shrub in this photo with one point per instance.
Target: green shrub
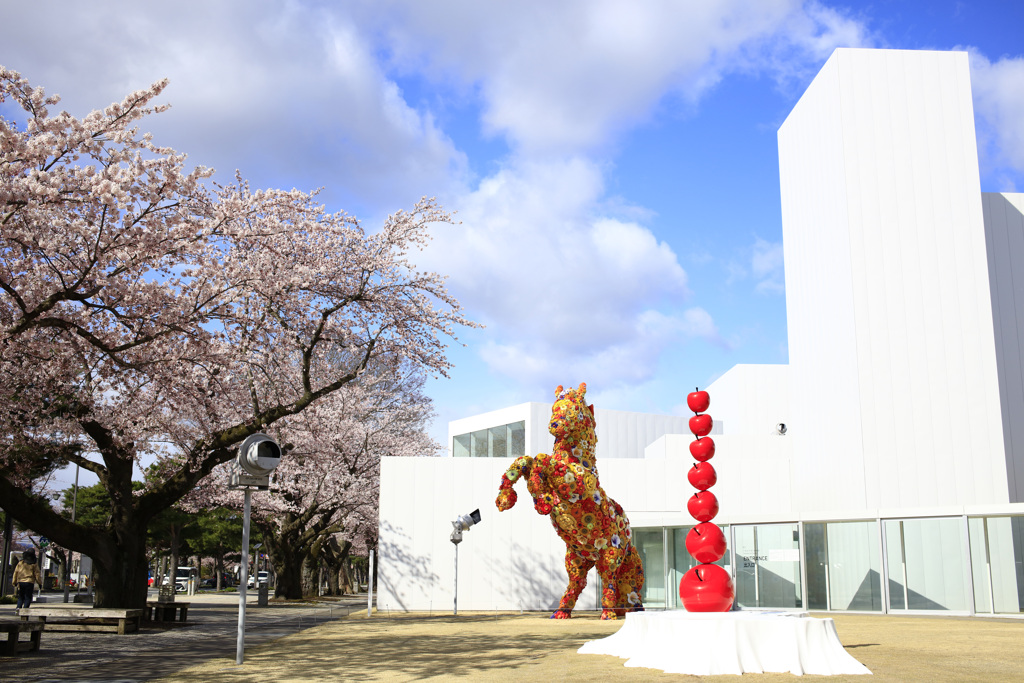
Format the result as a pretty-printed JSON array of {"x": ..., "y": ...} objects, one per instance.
[{"x": 8, "y": 600}]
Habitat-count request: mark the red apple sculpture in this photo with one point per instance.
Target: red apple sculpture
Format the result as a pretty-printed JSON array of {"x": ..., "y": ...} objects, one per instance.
[
  {"x": 698, "y": 401},
  {"x": 706, "y": 543},
  {"x": 703, "y": 506},
  {"x": 702, "y": 476},
  {"x": 702, "y": 449},
  {"x": 700, "y": 425},
  {"x": 706, "y": 587}
]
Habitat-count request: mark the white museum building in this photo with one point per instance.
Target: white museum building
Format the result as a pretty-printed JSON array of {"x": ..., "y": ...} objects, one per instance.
[{"x": 897, "y": 484}]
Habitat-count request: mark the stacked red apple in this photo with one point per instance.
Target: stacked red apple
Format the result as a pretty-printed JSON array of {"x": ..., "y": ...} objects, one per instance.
[{"x": 706, "y": 587}]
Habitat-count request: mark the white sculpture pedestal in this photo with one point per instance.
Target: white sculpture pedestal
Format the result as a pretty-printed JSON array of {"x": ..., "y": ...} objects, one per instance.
[{"x": 711, "y": 643}]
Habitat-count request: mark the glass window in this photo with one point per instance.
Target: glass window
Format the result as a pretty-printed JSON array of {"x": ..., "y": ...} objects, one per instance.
[
  {"x": 816, "y": 557},
  {"x": 517, "y": 439},
  {"x": 768, "y": 571},
  {"x": 926, "y": 564},
  {"x": 497, "y": 445},
  {"x": 480, "y": 443},
  {"x": 854, "y": 566},
  {"x": 461, "y": 446},
  {"x": 649, "y": 543},
  {"x": 997, "y": 560}
]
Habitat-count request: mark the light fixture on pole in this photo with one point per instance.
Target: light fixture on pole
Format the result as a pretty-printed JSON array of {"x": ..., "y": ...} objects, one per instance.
[
  {"x": 258, "y": 456},
  {"x": 461, "y": 523}
]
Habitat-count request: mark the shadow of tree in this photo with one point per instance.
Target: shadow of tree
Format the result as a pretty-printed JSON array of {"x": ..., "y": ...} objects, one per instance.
[{"x": 399, "y": 569}]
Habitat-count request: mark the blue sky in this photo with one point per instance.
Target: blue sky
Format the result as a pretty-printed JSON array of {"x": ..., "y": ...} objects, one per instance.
[{"x": 614, "y": 164}]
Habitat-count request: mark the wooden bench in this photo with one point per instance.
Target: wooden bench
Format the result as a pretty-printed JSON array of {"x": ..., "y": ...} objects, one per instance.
[
  {"x": 165, "y": 611},
  {"x": 13, "y": 629},
  {"x": 121, "y": 621}
]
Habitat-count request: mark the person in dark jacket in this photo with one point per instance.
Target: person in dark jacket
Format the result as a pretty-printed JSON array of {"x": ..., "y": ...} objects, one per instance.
[{"x": 26, "y": 576}]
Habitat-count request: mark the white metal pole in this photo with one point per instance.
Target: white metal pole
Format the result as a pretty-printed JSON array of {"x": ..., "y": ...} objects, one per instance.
[
  {"x": 369, "y": 587},
  {"x": 67, "y": 569},
  {"x": 455, "y": 605},
  {"x": 240, "y": 648}
]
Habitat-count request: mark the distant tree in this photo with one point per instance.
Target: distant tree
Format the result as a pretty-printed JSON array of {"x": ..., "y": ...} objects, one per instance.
[
  {"x": 219, "y": 534},
  {"x": 147, "y": 311}
]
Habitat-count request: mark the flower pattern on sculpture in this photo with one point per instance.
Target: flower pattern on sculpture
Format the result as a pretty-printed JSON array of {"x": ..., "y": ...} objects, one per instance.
[{"x": 565, "y": 486}]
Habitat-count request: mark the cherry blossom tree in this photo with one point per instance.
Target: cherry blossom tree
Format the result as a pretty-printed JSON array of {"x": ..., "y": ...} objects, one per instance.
[
  {"x": 324, "y": 495},
  {"x": 148, "y": 312}
]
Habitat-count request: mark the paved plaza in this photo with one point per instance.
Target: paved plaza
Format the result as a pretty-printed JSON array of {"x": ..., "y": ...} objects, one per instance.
[
  {"x": 161, "y": 650},
  {"x": 335, "y": 641}
]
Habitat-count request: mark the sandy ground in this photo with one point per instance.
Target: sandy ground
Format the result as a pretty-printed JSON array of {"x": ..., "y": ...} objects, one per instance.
[{"x": 514, "y": 647}]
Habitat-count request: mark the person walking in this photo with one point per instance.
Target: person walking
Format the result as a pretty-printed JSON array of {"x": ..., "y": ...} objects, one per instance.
[{"x": 26, "y": 576}]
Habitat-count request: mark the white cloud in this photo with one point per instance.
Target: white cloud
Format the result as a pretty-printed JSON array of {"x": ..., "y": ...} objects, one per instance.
[
  {"x": 999, "y": 104},
  {"x": 564, "y": 77},
  {"x": 294, "y": 93},
  {"x": 561, "y": 289},
  {"x": 766, "y": 265}
]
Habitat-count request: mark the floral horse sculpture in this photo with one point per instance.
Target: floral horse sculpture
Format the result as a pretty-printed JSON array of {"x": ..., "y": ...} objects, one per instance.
[{"x": 564, "y": 485}]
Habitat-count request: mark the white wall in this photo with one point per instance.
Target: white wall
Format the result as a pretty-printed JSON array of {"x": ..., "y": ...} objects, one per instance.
[
  {"x": 620, "y": 433},
  {"x": 751, "y": 399},
  {"x": 510, "y": 560},
  {"x": 515, "y": 559},
  {"x": 893, "y": 367},
  {"x": 1004, "y": 232},
  {"x": 624, "y": 434}
]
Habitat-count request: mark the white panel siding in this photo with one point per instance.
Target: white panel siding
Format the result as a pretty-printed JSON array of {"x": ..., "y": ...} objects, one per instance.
[
  {"x": 1004, "y": 230},
  {"x": 623, "y": 434},
  {"x": 819, "y": 299},
  {"x": 751, "y": 399},
  {"x": 887, "y": 287}
]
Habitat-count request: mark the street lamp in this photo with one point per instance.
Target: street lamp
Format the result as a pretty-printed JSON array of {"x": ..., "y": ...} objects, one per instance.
[
  {"x": 461, "y": 523},
  {"x": 258, "y": 457}
]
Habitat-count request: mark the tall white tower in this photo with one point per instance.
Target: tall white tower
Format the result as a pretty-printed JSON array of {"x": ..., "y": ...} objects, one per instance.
[{"x": 894, "y": 386}]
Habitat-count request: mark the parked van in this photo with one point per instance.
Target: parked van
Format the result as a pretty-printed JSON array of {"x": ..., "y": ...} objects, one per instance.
[
  {"x": 182, "y": 577},
  {"x": 261, "y": 577}
]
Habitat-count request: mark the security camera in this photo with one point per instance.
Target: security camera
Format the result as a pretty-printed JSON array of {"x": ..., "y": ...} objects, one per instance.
[{"x": 780, "y": 429}]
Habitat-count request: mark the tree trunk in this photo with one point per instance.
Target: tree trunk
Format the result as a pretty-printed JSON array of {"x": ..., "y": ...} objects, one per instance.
[
  {"x": 120, "y": 573},
  {"x": 309, "y": 573},
  {"x": 289, "y": 577},
  {"x": 218, "y": 568}
]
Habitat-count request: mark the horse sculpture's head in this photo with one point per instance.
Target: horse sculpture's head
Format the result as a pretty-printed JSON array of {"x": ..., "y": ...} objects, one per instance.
[
  {"x": 571, "y": 417},
  {"x": 555, "y": 481}
]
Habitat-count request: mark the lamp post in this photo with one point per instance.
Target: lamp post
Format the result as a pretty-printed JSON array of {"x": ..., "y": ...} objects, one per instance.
[
  {"x": 74, "y": 509},
  {"x": 258, "y": 456},
  {"x": 461, "y": 523}
]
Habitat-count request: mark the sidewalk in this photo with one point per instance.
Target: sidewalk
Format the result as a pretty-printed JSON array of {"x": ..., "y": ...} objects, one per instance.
[{"x": 161, "y": 649}]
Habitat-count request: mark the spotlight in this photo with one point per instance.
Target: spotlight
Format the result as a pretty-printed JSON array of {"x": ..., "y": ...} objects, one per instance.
[
  {"x": 780, "y": 429},
  {"x": 461, "y": 523}
]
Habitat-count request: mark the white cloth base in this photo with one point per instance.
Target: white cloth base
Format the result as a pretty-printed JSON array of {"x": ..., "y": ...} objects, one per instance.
[{"x": 711, "y": 643}]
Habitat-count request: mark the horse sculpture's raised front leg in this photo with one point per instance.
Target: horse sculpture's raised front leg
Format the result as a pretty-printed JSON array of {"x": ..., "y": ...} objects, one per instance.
[{"x": 506, "y": 494}]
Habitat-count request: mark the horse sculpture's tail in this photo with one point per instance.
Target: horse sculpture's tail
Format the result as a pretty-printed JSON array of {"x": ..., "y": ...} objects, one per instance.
[{"x": 519, "y": 469}]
